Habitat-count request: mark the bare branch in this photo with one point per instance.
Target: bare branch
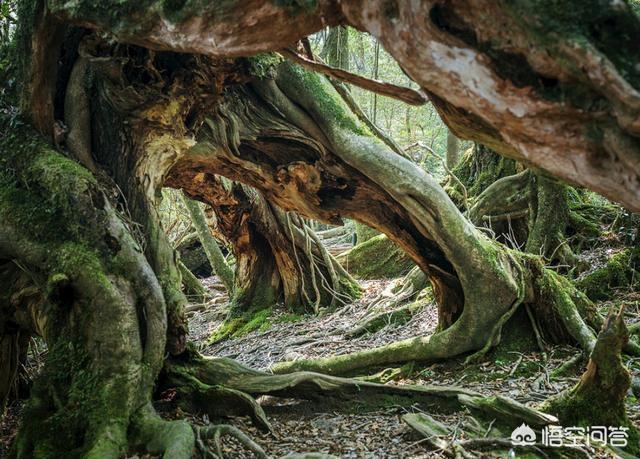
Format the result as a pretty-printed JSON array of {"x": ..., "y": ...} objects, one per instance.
[{"x": 407, "y": 95}]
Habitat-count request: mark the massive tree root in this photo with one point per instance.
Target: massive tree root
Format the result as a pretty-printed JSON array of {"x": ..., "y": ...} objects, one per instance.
[
  {"x": 341, "y": 167},
  {"x": 85, "y": 271},
  {"x": 560, "y": 313},
  {"x": 294, "y": 139}
]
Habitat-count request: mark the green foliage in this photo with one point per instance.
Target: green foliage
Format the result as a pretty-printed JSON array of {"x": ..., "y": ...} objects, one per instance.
[{"x": 405, "y": 124}]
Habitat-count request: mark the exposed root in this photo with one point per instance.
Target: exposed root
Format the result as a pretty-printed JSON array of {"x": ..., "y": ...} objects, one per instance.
[
  {"x": 172, "y": 439},
  {"x": 216, "y": 400},
  {"x": 214, "y": 433},
  {"x": 227, "y": 373},
  {"x": 599, "y": 396},
  {"x": 385, "y": 308},
  {"x": 471, "y": 435},
  {"x": 508, "y": 411}
]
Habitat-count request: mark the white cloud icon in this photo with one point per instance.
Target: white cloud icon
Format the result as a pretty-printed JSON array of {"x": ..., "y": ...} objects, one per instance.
[{"x": 523, "y": 435}]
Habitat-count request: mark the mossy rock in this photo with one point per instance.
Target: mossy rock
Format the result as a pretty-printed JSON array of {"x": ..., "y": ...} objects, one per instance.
[
  {"x": 364, "y": 233},
  {"x": 619, "y": 272},
  {"x": 377, "y": 258}
]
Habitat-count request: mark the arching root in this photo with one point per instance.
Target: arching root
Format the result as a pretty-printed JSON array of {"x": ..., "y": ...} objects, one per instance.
[
  {"x": 555, "y": 302},
  {"x": 388, "y": 308}
]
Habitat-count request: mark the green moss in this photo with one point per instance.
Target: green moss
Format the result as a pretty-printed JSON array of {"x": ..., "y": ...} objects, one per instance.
[
  {"x": 82, "y": 405},
  {"x": 611, "y": 29},
  {"x": 290, "y": 318},
  {"x": 618, "y": 272},
  {"x": 239, "y": 326},
  {"x": 264, "y": 65},
  {"x": 327, "y": 101},
  {"x": 376, "y": 258}
]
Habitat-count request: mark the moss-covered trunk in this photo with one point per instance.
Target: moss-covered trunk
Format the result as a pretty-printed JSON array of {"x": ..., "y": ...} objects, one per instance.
[{"x": 80, "y": 269}]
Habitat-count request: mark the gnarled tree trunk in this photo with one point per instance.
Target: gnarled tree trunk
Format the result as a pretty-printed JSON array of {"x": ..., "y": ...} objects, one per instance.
[{"x": 278, "y": 257}]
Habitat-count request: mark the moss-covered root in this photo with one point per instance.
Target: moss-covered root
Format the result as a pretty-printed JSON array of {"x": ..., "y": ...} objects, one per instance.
[
  {"x": 172, "y": 439},
  {"x": 178, "y": 439},
  {"x": 192, "y": 285},
  {"x": 599, "y": 396},
  {"x": 227, "y": 373}
]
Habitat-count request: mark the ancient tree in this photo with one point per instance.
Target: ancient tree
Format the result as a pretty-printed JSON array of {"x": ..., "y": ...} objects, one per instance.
[{"x": 152, "y": 92}]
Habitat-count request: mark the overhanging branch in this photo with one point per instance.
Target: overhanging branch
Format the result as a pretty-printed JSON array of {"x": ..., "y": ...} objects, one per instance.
[{"x": 406, "y": 95}]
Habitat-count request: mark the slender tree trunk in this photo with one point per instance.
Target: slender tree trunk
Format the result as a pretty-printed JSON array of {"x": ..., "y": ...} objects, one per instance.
[
  {"x": 336, "y": 48},
  {"x": 453, "y": 150},
  {"x": 211, "y": 249}
]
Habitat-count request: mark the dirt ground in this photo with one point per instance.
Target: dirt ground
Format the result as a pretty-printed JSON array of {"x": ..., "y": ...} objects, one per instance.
[{"x": 360, "y": 433}]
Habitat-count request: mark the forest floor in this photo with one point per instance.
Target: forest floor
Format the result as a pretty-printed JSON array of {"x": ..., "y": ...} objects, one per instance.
[
  {"x": 302, "y": 426},
  {"x": 353, "y": 430}
]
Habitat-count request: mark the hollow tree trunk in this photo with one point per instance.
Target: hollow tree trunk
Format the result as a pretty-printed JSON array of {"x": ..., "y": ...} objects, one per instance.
[{"x": 278, "y": 257}]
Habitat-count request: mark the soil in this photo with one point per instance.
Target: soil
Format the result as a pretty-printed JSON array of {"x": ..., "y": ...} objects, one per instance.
[{"x": 357, "y": 431}]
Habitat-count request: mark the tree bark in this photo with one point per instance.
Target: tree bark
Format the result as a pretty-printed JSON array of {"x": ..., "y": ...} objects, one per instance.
[
  {"x": 510, "y": 87},
  {"x": 214, "y": 254},
  {"x": 278, "y": 257},
  {"x": 453, "y": 150},
  {"x": 96, "y": 252},
  {"x": 339, "y": 169},
  {"x": 336, "y": 49}
]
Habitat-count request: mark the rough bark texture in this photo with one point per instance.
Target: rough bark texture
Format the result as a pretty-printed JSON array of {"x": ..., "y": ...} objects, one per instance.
[
  {"x": 97, "y": 253},
  {"x": 60, "y": 228},
  {"x": 599, "y": 397},
  {"x": 278, "y": 257},
  {"x": 555, "y": 85}
]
